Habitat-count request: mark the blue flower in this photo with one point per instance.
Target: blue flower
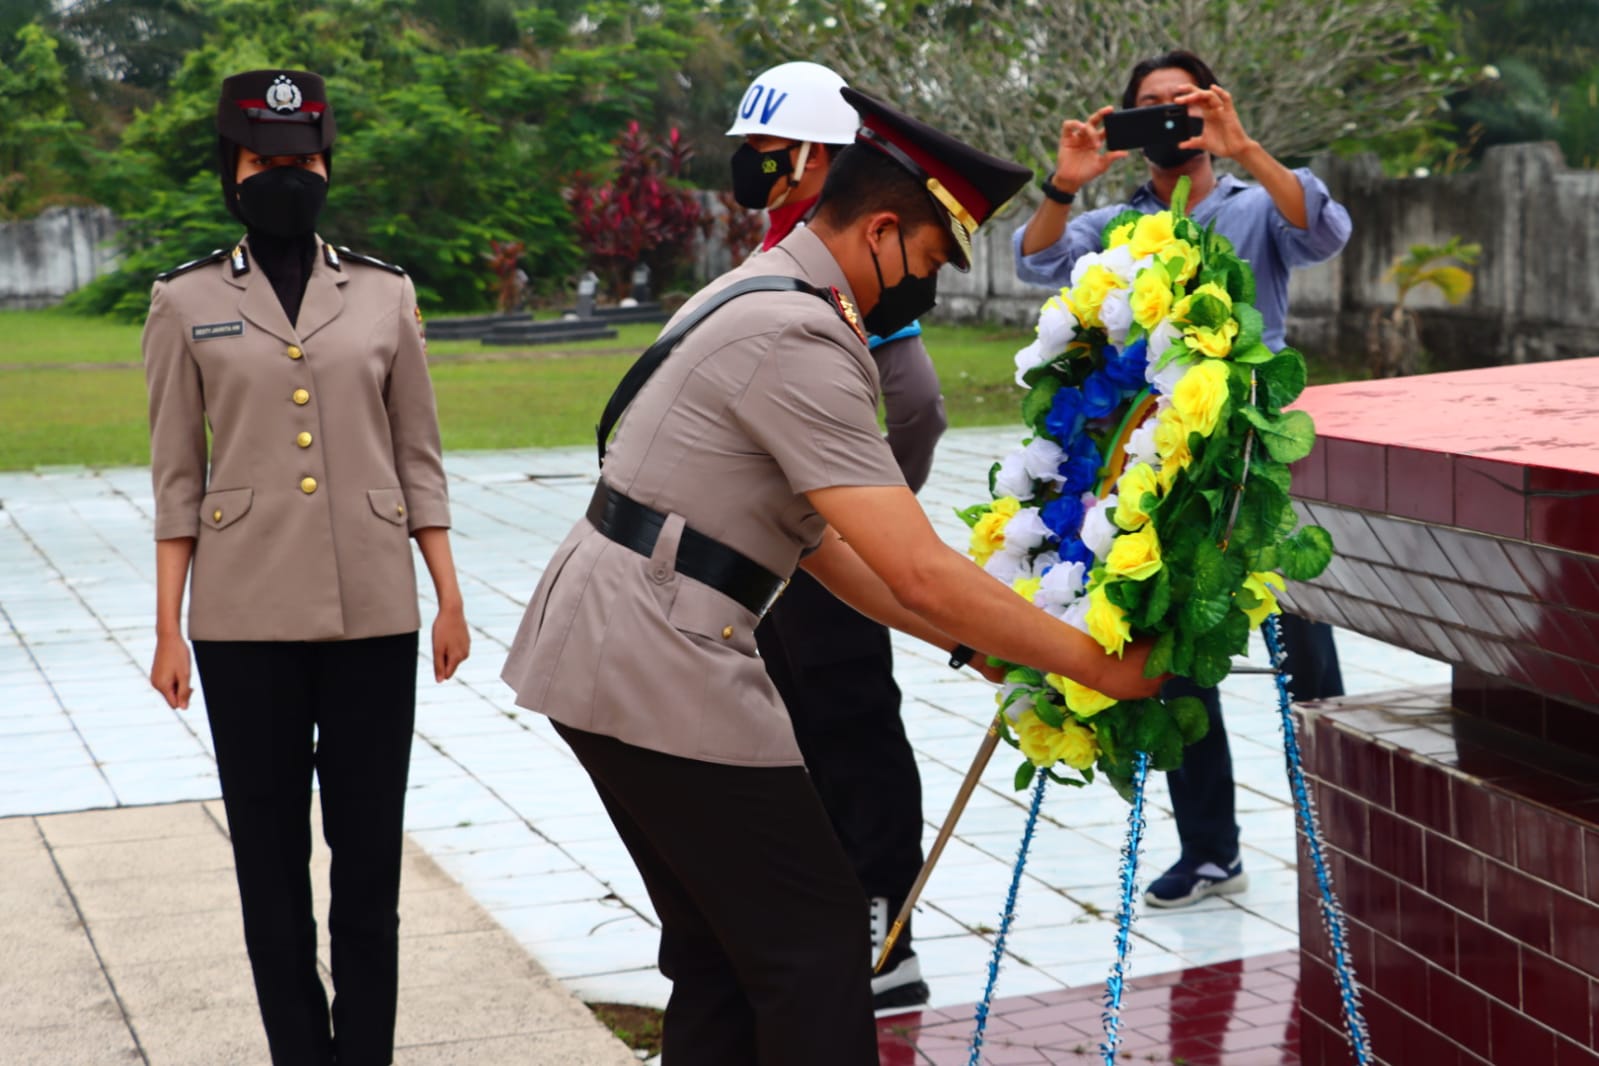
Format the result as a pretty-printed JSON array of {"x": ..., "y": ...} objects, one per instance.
[
  {"x": 1081, "y": 466},
  {"x": 1064, "y": 516},
  {"x": 1126, "y": 368},
  {"x": 1065, "y": 419},
  {"x": 1075, "y": 551},
  {"x": 1100, "y": 395}
]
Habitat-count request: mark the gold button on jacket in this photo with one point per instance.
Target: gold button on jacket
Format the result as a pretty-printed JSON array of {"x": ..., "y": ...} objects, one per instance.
[
  {"x": 272, "y": 567},
  {"x": 293, "y": 351}
]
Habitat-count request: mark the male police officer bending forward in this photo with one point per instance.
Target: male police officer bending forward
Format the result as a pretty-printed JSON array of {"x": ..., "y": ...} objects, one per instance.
[{"x": 754, "y": 448}]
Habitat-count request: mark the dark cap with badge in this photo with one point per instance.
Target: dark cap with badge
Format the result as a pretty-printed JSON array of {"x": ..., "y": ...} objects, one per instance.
[
  {"x": 276, "y": 112},
  {"x": 968, "y": 185}
]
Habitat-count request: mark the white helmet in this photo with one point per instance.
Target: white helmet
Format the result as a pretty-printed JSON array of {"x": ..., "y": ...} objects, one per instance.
[{"x": 799, "y": 101}]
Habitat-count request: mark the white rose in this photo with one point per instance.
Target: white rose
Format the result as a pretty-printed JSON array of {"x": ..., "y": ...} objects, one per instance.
[
  {"x": 1098, "y": 529},
  {"x": 1061, "y": 585},
  {"x": 1026, "y": 531},
  {"x": 1041, "y": 459},
  {"x": 1012, "y": 478},
  {"x": 1006, "y": 566},
  {"x": 1117, "y": 313},
  {"x": 1076, "y": 615},
  {"x": 1160, "y": 338},
  {"x": 1141, "y": 441},
  {"x": 1034, "y": 355},
  {"x": 1020, "y": 706},
  {"x": 1080, "y": 267},
  {"x": 1056, "y": 324},
  {"x": 1119, "y": 261}
]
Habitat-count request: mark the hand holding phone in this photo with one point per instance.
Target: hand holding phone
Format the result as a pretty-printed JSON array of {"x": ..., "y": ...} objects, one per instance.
[{"x": 1140, "y": 126}]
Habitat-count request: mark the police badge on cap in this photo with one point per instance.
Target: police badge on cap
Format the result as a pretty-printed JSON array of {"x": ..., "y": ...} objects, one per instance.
[{"x": 276, "y": 112}]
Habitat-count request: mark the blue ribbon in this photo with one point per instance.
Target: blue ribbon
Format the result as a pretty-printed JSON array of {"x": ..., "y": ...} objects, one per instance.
[
  {"x": 1005, "y": 920},
  {"x": 1116, "y": 983},
  {"x": 1332, "y": 911}
]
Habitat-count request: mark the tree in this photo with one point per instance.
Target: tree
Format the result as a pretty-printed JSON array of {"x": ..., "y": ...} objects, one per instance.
[
  {"x": 39, "y": 140},
  {"x": 1003, "y": 74}
]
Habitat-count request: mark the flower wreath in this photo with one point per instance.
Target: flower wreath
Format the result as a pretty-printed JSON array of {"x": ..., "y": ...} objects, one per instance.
[{"x": 1152, "y": 498}]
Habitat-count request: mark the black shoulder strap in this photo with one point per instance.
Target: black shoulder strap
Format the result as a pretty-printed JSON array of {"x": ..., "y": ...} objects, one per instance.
[
  {"x": 648, "y": 363},
  {"x": 183, "y": 268}
]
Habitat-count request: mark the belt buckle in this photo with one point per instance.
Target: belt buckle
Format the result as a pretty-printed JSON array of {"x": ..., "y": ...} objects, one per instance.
[{"x": 771, "y": 600}]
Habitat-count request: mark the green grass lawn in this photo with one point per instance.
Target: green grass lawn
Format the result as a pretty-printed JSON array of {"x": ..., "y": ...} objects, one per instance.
[{"x": 57, "y": 409}]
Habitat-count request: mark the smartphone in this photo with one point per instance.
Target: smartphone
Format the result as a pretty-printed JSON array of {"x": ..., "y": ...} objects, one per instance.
[{"x": 1160, "y": 124}]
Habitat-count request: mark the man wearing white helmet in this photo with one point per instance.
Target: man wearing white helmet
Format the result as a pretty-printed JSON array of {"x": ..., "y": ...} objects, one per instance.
[{"x": 833, "y": 666}]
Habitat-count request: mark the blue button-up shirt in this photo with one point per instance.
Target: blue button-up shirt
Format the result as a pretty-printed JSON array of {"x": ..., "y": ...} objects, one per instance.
[{"x": 1243, "y": 213}]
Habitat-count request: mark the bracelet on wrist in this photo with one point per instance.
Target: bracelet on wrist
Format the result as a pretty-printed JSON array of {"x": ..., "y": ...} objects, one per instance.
[
  {"x": 960, "y": 656},
  {"x": 1056, "y": 193}
]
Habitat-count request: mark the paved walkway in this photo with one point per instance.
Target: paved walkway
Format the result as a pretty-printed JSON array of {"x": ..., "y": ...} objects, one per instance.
[{"x": 501, "y": 806}]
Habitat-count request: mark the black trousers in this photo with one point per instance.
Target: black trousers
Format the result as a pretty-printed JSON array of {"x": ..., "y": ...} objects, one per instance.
[
  {"x": 344, "y": 709},
  {"x": 834, "y": 668},
  {"x": 1202, "y": 791},
  {"x": 763, "y": 925}
]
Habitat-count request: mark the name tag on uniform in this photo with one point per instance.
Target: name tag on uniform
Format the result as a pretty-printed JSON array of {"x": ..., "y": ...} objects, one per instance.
[{"x": 217, "y": 329}]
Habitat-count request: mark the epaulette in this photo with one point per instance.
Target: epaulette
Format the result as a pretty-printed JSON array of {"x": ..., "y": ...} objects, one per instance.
[
  {"x": 183, "y": 268},
  {"x": 845, "y": 307},
  {"x": 357, "y": 257}
]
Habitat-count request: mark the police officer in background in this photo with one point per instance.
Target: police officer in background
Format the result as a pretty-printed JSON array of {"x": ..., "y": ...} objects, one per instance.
[
  {"x": 308, "y": 366},
  {"x": 833, "y": 666},
  {"x": 748, "y": 445}
]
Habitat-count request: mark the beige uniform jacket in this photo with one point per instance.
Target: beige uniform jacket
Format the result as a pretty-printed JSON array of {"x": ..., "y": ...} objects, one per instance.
[
  {"x": 771, "y": 397},
  {"x": 324, "y": 448}
]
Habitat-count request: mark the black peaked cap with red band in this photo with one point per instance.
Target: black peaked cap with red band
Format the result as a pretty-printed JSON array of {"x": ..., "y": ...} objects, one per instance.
[
  {"x": 978, "y": 183},
  {"x": 276, "y": 112}
]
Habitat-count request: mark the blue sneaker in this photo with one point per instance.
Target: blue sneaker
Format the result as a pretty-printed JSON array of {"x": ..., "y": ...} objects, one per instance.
[{"x": 1187, "y": 883}]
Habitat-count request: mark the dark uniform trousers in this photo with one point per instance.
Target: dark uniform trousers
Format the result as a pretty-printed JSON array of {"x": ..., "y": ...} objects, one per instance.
[
  {"x": 345, "y": 709},
  {"x": 1202, "y": 792},
  {"x": 834, "y": 668},
  {"x": 761, "y": 916}
]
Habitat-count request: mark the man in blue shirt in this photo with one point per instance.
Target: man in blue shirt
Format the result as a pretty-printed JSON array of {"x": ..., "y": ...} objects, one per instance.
[{"x": 1285, "y": 219}]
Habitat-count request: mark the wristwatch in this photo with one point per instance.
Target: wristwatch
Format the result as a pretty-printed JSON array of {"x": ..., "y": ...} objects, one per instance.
[
  {"x": 1051, "y": 192},
  {"x": 960, "y": 656}
]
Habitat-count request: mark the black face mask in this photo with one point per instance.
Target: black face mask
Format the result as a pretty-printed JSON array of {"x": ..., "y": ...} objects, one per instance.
[
  {"x": 1169, "y": 156},
  {"x": 755, "y": 173},
  {"x": 903, "y": 302},
  {"x": 282, "y": 201}
]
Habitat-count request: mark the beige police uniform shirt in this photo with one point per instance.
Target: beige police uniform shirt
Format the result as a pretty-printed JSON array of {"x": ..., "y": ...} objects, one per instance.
[
  {"x": 771, "y": 397},
  {"x": 324, "y": 448}
]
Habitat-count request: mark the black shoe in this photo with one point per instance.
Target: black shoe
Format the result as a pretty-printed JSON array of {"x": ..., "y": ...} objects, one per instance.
[
  {"x": 1187, "y": 883},
  {"x": 900, "y": 983}
]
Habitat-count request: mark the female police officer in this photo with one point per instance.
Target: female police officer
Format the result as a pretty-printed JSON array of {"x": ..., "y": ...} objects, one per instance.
[{"x": 308, "y": 365}]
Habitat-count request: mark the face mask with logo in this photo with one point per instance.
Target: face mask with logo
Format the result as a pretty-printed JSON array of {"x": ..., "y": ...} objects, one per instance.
[
  {"x": 902, "y": 303},
  {"x": 282, "y": 201},
  {"x": 755, "y": 173},
  {"x": 1169, "y": 156}
]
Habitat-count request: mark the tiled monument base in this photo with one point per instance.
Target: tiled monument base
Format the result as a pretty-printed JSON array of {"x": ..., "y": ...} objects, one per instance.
[
  {"x": 1245, "y": 1012},
  {"x": 1467, "y": 858}
]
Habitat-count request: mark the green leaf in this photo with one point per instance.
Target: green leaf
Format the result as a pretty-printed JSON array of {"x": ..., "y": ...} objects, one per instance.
[
  {"x": 1208, "y": 311},
  {"x": 1182, "y": 658},
  {"x": 1040, "y": 398},
  {"x": 1288, "y": 437},
  {"x": 1283, "y": 379},
  {"x": 1125, "y": 593},
  {"x": 1179, "y": 197},
  {"x": 1250, "y": 326},
  {"x": 1267, "y": 469},
  {"x": 1024, "y": 774},
  {"x": 1259, "y": 353},
  {"x": 1024, "y": 675},
  {"x": 1158, "y": 599},
  {"x": 993, "y": 475},
  {"x": 1050, "y": 713},
  {"x": 1192, "y": 719},
  {"x": 1211, "y": 577},
  {"x": 1306, "y": 554},
  {"x": 1116, "y": 223},
  {"x": 1201, "y": 614},
  {"x": 971, "y": 515},
  {"x": 1159, "y": 661}
]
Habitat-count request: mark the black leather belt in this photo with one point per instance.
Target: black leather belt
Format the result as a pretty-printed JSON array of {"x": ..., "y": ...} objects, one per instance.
[{"x": 710, "y": 562}]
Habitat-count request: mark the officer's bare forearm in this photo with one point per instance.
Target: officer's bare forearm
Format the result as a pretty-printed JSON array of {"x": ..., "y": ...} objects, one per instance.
[
  {"x": 171, "y": 574},
  {"x": 434, "y": 542},
  {"x": 836, "y": 565}
]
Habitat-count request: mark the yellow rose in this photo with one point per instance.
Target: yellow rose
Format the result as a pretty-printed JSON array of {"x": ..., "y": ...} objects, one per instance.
[
  {"x": 1152, "y": 234},
  {"x": 1080, "y": 699},
  {"x": 988, "y": 535},
  {"x": 1152, "y": 298},
  {"x": 1120, "y": 235},
  {"x": 1210, "y": 288},
  {"x": 1096, "y": 284},
  {"x": 1027, "y": 587},
  {"x": 1044, "y": 745},
  {"x": 1187, "y": 254},
  {"x": 1199, "y": 398},
  {"x": 1135, "y": 556},
  {"x": 1134, "y": 484},
  {"x": 1213, "y": 343},
  {"x": 1259, "y": 583},
  {"x": 1107, "y": 623},
  {"x": 1171, "y": 439}
]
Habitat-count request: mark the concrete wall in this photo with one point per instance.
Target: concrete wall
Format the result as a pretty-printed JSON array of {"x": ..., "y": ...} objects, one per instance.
[{"x": 44, "y": 258}]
